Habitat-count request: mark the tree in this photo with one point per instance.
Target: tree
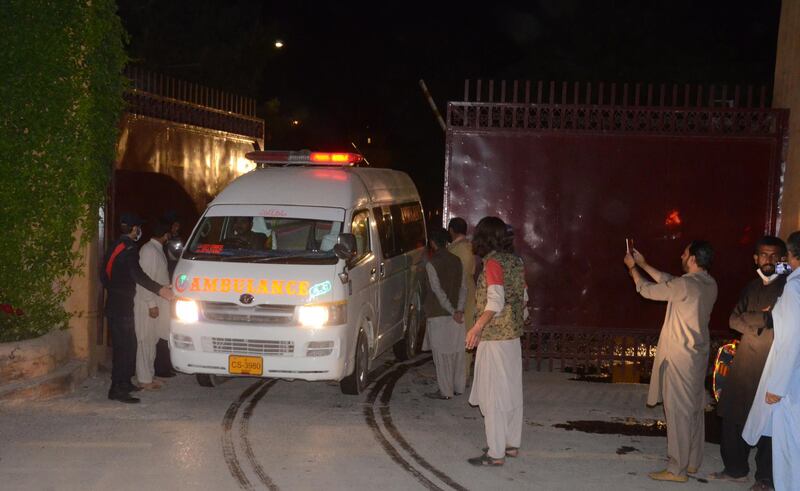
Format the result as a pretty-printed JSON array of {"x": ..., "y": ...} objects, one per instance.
[{"x": 61, "y": 88}]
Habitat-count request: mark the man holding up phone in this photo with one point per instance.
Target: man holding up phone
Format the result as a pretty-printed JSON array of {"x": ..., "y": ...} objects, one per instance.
[{"x": 681, "y": 360}]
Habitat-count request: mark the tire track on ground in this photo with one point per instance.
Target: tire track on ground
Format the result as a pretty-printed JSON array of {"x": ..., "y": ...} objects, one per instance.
[
  {"x": 228, "y": 447},
  {"x": 384, "y": 387},
  {"x": 386, "y": 416},
  {"x": 369, "y": 416},
  {"x": 244, "y": 427}
]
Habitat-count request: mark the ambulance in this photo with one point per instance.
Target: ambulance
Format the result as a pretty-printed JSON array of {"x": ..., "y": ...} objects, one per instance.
[{"x": 307, "y": 268}]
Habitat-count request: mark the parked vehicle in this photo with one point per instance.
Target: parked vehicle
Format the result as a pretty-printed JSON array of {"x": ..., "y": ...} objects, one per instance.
[{"x": 305, "y": 268}]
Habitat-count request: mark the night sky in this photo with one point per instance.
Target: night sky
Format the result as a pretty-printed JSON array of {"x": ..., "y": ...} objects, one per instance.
[{"x": 349, "y": 71}]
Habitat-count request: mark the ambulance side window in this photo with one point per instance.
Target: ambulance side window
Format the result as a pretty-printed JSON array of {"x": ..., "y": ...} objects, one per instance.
[
  {"x": 360, "y": 229},
  {"x": 386, "y": 231},
  {"x": 409, "y": 226}
]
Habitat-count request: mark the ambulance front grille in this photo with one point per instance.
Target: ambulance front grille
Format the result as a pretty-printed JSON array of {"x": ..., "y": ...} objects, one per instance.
[
  {"x": 258, "y": 314},
  {"x": 248, "y": 346}
]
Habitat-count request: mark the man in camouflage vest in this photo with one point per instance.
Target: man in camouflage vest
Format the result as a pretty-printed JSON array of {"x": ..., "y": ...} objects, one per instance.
[{"x": 501, "y": 310}]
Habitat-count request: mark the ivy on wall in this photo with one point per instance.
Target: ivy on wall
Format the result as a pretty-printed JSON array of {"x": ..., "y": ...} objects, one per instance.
[{"x": 61, "y": 87}]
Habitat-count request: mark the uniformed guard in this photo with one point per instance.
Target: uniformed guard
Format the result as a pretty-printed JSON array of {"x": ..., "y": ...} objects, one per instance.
[{"x": 121, "y": 272}]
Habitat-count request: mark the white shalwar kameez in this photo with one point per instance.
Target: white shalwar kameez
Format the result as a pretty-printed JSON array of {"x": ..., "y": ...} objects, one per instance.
[
  {"x": 149, "y": 330},
  {"x": 497, "y": 380},
  {"x": 445, "y": 338},
  {"x": 781, "y": 377}
]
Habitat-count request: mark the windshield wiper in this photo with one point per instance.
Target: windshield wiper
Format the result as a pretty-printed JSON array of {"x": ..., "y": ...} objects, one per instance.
[
  {"x": 305, "y": 255},
  {"x": 200, "y": 255}
]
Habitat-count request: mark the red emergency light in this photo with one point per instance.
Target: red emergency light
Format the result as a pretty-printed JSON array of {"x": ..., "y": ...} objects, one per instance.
[{"x": 304, "y": 157}]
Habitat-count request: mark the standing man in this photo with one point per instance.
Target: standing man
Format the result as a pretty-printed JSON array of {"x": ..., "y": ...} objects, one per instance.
[
  {"x": 776, "y": 407},
  {"x": 174, "y": 245},
  {"x": 151, "y": 312},
  {"x": 752, "y": 317},
  {"x": 121, "y": 272},
  {"x": 462, "y": 248},
  {"x": 681, "y": 360},
  {"x": 172, "y": 251},
  {"x": 444, "y": 310}
]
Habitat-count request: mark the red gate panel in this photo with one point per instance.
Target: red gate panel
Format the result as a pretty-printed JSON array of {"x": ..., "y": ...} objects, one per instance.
[{"x": 574, "y": 182}]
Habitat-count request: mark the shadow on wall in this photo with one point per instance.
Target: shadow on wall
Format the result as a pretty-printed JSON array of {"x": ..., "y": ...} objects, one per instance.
[{"x": 150, "y": 195}]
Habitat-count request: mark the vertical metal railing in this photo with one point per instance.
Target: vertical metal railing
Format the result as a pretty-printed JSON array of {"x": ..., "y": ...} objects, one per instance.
[
  {"x": 598, "y": 93},
  {"x": 161, "y": 96}
]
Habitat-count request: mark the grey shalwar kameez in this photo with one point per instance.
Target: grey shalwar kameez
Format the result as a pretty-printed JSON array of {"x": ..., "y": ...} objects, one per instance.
[{"x": 681, "y": 362}]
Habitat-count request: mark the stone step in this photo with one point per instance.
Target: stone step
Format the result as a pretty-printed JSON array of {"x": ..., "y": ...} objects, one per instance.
[{"x": 61, "y": 381}]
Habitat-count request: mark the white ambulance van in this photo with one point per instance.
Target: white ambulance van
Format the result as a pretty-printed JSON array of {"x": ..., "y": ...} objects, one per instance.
[{"x": 305, "y": 268}]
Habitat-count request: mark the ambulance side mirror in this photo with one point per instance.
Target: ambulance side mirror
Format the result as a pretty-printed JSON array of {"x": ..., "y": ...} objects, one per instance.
[
  {"x": 346, "y": 247},
  {"x": 175, "y": 247}
]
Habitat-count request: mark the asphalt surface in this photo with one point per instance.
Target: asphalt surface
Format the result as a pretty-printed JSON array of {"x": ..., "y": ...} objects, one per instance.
[{"x": 275, "y": 434}]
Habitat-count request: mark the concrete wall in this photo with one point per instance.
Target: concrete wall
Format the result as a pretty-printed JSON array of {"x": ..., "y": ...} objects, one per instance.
[
  {"x": 787, "y": 95},
  {"x": 84, "y": 303}
]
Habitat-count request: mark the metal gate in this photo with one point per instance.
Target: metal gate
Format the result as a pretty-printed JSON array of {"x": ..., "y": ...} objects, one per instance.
[{"x": 577, "y": 168}]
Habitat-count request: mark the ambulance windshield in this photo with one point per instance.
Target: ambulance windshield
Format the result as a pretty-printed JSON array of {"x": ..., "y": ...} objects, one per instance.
[{"x": 262, "y": 239}]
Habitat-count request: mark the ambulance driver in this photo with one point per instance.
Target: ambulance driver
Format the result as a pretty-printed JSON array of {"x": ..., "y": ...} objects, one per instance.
[{"x": 501, "y": 308}]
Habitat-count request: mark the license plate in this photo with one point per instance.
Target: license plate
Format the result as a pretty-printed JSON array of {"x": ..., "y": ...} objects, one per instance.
[{"x": 245, "y": 365}]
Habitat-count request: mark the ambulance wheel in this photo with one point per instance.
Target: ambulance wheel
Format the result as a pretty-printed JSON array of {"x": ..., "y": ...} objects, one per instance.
[
  {"x": 355, "y": 383},
  {"x": 207, "y": 379},
  {"x": 408, "y": 347}
]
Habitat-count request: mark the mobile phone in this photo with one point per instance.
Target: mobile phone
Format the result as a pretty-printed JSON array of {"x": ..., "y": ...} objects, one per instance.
[
  {"x": 629, "y": 245},
  {"x": 783, "y": 268}
]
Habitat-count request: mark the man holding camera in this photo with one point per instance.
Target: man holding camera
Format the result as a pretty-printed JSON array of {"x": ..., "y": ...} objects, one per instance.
[{"x": 681, "y": 359}]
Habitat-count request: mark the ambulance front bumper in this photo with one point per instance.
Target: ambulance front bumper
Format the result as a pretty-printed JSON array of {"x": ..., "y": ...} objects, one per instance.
[{"x": 290, "y": 352}]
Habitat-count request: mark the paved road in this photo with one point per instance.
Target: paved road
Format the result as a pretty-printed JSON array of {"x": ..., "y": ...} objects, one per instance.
[{"x": 274, "y": 434}]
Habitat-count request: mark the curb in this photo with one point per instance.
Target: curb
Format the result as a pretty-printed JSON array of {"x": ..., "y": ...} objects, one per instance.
[{"x": 58, "y": 382}]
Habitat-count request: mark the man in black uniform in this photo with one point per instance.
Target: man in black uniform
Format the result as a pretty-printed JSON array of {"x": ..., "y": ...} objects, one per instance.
[
  {"x": 751, "y": 317},
  {"x": 121, "y": 272}
]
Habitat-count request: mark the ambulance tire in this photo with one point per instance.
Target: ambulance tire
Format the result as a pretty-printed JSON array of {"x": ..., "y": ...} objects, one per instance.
[
  {"x": 207, "y": 379},
  {"x": 409, "y": 346},
  {"x": 356, "y": 382}
]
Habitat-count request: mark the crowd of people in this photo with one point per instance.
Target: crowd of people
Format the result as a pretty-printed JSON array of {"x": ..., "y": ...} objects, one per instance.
[
  {"x": 758, "y": 404},
  {"x": 481, "y": 306},
  {"x": 484, "y": 313}
]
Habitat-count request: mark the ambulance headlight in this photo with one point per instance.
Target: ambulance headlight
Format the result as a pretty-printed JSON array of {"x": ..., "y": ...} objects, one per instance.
[
  {"x": 316, "y": 316},
  {"x": 186, "y": 310}
]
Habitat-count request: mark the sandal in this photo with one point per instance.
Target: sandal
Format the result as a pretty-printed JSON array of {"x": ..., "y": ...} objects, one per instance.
[
  {"x": 510, "y": 451},
  {"x": 486, "y": 460}
]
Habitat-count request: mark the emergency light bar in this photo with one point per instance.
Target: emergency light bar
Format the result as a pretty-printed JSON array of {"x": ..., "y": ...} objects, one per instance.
[{"x": 304, "y": 157}]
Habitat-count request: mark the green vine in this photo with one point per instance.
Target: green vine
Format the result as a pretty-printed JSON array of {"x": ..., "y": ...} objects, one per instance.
[{"x": 61, "y": 88}]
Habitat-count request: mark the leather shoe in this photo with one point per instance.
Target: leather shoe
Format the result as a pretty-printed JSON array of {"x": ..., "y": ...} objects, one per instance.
[
  {"x": 169, "y": 374},
  {"x": 128, "y": 387},
  {"x": 666, "y": 475},
  {"x": 122, "y": 396},
  {"x": 436, "y": 395}
]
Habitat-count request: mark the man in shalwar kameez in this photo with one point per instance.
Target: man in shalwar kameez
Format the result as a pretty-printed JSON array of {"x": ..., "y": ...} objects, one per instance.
[
  {"x": 776, "y": 407},
  {"x": 151, "y": 312},
  {"x": 681, "y": 361},
  {"x": 462, "y": 247},
  {"x": 444, "y": 310},
  {"x": 752, "y": 318}
]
